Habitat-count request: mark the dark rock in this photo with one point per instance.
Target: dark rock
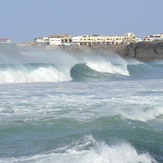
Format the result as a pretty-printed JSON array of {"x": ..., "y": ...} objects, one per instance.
[{"x": 145, "y": 50}]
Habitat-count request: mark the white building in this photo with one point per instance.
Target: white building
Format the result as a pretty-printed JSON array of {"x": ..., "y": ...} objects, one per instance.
[
  {"x": 67, "y": 40},
  {"x": 148, "y": 38},
  {"x": 76, "y": 40},
  {"x": 129, "y": 37},
  {"x": 41, "y": 41},
  {"x": 115, "y": 40},
  {"x": 154, "y": 37},
  {"x": 59, "y": 39},
  {"x": 55, "y": 40},
  {"x": 96, "y": 39}
]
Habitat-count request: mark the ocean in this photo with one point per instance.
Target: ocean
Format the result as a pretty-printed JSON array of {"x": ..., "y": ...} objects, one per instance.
[{"x": 90, "y": 107}]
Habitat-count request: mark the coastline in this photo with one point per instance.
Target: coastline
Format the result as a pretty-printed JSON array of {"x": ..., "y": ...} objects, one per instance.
[{"x": 143, "y": 51}]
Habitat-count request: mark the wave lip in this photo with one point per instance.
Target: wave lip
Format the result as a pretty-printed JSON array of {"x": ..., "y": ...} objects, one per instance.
[
  {"x": 107, "y": 67},
  {"x": 91, "y": 71}
]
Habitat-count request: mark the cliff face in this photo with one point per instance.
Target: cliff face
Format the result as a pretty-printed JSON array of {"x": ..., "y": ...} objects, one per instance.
[{"x": 144, "y": 50}]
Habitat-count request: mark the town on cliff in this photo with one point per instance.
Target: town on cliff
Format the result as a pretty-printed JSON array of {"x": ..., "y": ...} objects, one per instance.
[{"x": 69, "y": 40}]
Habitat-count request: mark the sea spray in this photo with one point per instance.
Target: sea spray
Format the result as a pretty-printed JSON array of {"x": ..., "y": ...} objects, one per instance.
[
  {"x": 48, "y": 65},
  {"x": 33, "y": 73},
  {"x": 35, "y": 65},
  {"x": 32, "y": 64},
  {"x": 89, "y": 150},
  {"x": 106, "y": 62}
]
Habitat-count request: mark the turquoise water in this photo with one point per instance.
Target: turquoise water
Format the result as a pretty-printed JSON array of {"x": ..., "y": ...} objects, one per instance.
[{"x": 100, "y": 111}]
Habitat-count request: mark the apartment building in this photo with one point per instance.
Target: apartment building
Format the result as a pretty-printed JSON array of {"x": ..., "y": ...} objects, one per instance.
[
  {"x": 41, "y": 41},
  {"x": 154, "y": 37},
  {"x": 67, "y": 40},
  {"x": 114, "y": 40},
  {"x": 87, "y": 39},
  {"x": 59, "y": 39},
  {"x": 54, "y": 40},
  {"x": 96, "y": 39},
  {"x": 129, "y": 37}
]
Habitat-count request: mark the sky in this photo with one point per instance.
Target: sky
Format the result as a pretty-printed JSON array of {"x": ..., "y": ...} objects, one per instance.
[{"x": 23, "y": 20}]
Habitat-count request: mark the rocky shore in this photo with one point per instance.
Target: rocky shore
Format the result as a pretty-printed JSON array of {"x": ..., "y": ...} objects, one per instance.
[{"x": 143, "y": 51}]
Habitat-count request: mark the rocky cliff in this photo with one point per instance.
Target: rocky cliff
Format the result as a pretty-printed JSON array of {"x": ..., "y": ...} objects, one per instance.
[{"x": 145, "y": 51}]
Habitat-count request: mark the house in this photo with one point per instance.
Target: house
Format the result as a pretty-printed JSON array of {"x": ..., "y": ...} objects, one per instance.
[
  {"x": 66, "y": 40},
  {"x": 114, "y": 40},
  {"x": 148, "y": 38},
  {"x": 129, "y": 37},
  {"x": 41, "y": 41},
  {"x": 97, "y": 39},
  {"x": 59, "y": 39},
  {"x": 55, "y": 40},
  {"x": 90, "y": 39},
  {"x": 154, "y": 37}
]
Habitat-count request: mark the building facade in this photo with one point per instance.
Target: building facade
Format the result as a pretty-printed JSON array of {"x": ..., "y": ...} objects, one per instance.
[
  {"x": 129, "y": 37},
  {"x": 154, "y": 37},
  {"x": 55, "y": 40},
  {"x": 41, "y": 41},
  {"x": 67, "y": 40},
  {"x": 96, "y": 39}
]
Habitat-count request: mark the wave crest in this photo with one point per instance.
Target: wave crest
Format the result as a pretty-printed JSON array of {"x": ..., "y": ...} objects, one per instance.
[
  {"x": 89, "y": 150},
  {"x": 31, "y": 73}
]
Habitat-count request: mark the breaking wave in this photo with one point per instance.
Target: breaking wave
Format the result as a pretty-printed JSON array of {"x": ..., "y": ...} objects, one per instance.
[
  {"x": 143, "y": 114},
  {"x": 88, "y": 150},
  {"x": 59, "y": 69},
  {"x": 43, "y": 65},
  {"x": 30, "y": 73}
]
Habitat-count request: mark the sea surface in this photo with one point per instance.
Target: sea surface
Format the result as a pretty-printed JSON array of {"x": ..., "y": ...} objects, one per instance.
[{"x": 57, "y": 107}]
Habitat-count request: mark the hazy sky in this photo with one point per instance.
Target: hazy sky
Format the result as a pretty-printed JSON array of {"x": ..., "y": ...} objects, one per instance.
[{"x": 22, "y": 20}]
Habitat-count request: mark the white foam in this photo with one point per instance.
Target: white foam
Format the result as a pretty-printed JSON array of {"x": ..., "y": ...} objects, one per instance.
[
  {"x": 105, "y": 62},
  {"x": 41, "y": 74},
  {"x": 89, "y": 151},
  {"x": 108, "y": 67},
  {"x": 143, "y": 114}
]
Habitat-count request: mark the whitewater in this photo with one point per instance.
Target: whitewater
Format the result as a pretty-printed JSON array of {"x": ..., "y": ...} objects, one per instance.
[{"x": 57, "y": 107}]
